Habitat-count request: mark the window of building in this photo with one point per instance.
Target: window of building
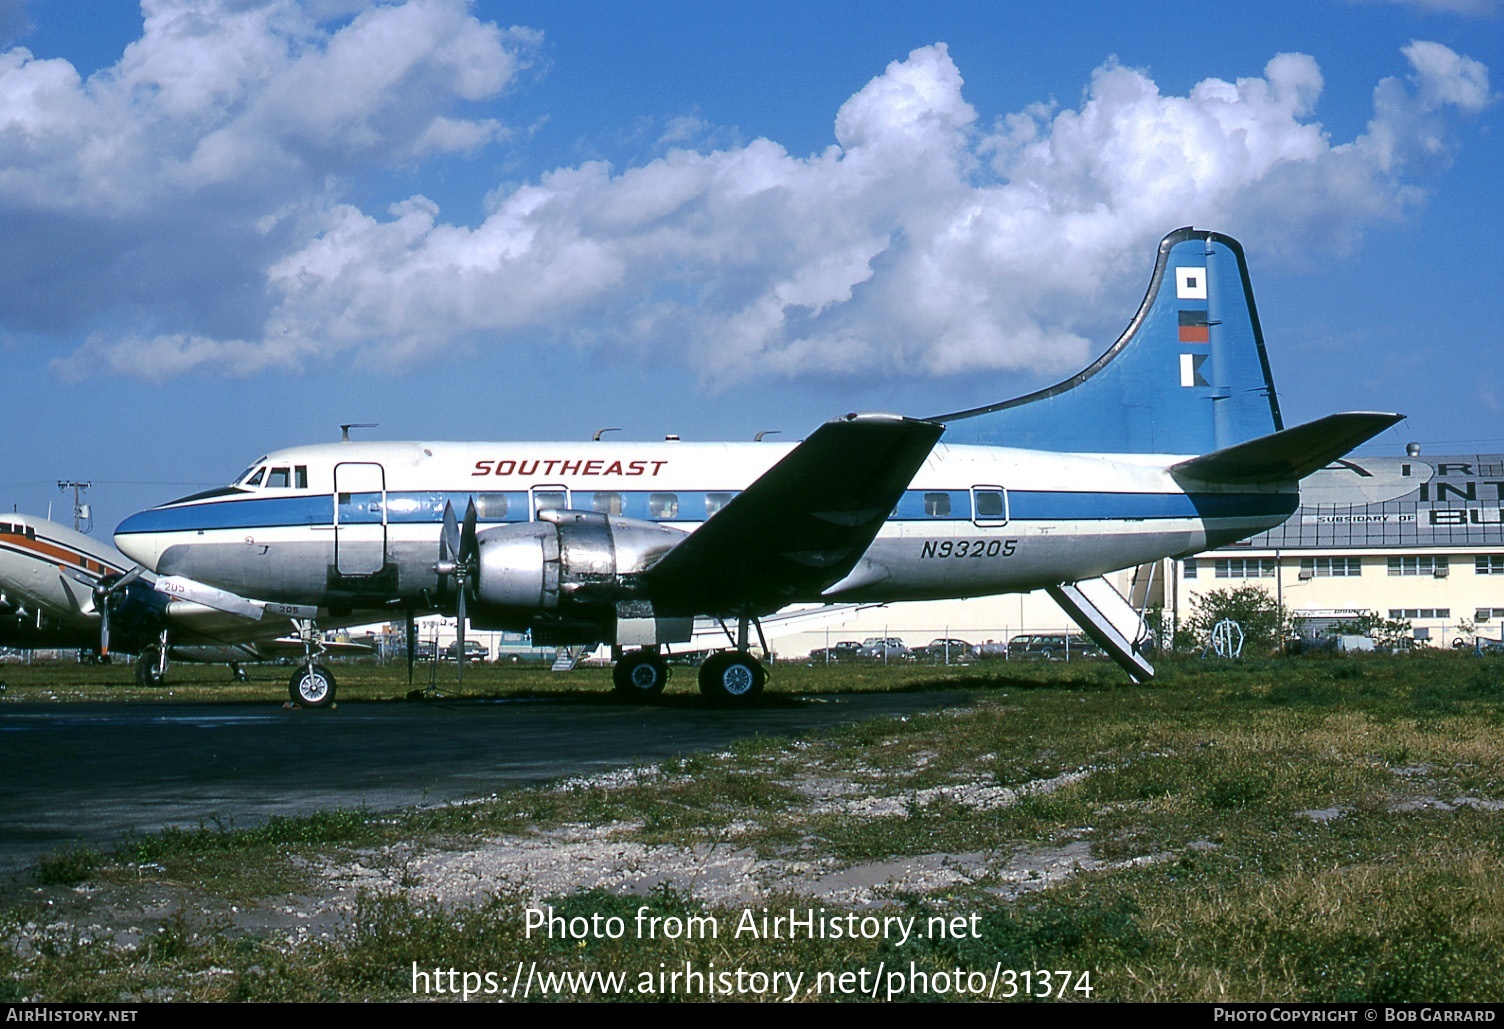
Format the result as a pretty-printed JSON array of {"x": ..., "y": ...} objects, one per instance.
[
  {"x": 1424, "y": 564},
  {"x": 1484, "y": 614},
  {"x": 937, "y": 505},
  {"x": 1489, "y": 564},
  {"x": 1188, "y": 567},
  {"x": 1419, "y": 612},
  {"x": 1322, "y": 567},
  {"x": 1244, "y": 567}
]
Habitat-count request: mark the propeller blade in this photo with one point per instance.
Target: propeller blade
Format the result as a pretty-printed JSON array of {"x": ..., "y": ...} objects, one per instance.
[
  {"x": 126, "y": 579},
  {"x": 104, "y": 629},
  {"x": 469, "y": 546},
  {"x": 412, "y": 645},
  {"x": 459, "y": 657},
  {"x": 89, "y": 579},
  {"x": 449, "y": 539}
]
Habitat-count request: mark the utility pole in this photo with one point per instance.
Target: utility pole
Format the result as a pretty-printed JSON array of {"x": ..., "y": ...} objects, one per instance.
[{"x": 83, "y": 515}]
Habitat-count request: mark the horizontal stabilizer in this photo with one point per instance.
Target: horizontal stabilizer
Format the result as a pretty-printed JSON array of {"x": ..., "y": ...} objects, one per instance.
[
  {"x": 1107, "y": 618},
  {"x": 1290, "y": 454},
  {"x": 800, "y": 527}
]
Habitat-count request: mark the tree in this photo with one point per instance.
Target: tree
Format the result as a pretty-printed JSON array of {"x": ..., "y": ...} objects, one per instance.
[
  {"x": 1390, "y": 633},
  {"x": 1254, "y": 609}
]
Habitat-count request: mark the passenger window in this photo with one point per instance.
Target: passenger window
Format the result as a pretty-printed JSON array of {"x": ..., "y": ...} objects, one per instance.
[
  {"x": 989, "y": 503},
  {"x": 278, "y": 479},
  {"x": 490, "y": 507},
  {"x": 937, "y": 505},
  {"x": 606, "y": 503},
  {"x": 550, "y": 501},
  {"x": 663, "y": 505},
  {"x": 715, "y": 501}
]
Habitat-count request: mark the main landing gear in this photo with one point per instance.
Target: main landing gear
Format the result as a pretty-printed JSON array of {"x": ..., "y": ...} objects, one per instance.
[
  {"x": 642, "y": 673},
  {"x": 151, "y": 666},
  {"x": 728, "y": 677},
  {"x": 732, "y": 677}
]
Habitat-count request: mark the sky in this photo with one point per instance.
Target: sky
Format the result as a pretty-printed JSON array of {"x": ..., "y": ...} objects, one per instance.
[{"x": 228, "y": 226}]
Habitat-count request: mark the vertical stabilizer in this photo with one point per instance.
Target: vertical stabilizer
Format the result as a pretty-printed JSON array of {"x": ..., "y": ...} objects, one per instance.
[{"x": 1188, "y": 376}]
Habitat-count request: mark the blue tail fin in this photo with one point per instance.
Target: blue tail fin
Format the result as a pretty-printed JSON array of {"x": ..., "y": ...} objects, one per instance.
[{"x": 1188, "y": 376}]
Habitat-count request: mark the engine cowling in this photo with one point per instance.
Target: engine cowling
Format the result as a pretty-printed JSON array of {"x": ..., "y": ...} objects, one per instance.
[{"x": 568, "y": 559}]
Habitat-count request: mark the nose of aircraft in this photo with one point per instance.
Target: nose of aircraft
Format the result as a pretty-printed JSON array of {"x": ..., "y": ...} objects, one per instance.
[{"x": 136, "y": 539}]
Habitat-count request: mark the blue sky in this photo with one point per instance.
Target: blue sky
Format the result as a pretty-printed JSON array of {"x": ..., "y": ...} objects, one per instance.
[{"x": 227, "y": 227}]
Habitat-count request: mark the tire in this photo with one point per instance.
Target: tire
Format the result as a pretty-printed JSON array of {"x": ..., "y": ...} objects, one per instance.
[
  {"x": 147, "y": 676},
  {"x": 640, "y": 675},
  {"x": 311, "y": 687},
  {"x": 732, "y": 677}
]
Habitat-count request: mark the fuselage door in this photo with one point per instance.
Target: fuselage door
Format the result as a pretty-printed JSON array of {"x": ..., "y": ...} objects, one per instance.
[
  {"x": 359, "y": 518},
  {"x": 989, "y": 505}
]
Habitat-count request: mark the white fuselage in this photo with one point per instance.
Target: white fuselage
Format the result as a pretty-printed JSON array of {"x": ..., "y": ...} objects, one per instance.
[{"x": 357, "y": 524}]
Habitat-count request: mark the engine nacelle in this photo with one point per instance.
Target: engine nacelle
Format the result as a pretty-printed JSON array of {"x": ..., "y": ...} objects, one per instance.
[{"x": 568, "y": 558}]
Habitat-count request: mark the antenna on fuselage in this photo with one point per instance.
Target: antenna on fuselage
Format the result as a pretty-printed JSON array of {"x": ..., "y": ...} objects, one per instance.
[
  {"x": 344, "y": 430},
  {"x": 601, "y": 432},
  {"x": 766, "y": 432}
]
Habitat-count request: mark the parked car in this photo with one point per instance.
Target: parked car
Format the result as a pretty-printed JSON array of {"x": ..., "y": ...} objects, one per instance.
[
  {"x": 1052, "y": 647},
  {"x": 885, "y": 648},
  {"x": 992, "y": 649},
  {"x": 948, "y": 651},
  {"x": 846, "y": 650},
  {"x": 473, "y": 651}
]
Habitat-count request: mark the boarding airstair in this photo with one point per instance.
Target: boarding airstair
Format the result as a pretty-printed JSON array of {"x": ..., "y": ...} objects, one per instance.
[
  {"x": 565, "y": 658},
  {"x": 1110, "y": 620}
]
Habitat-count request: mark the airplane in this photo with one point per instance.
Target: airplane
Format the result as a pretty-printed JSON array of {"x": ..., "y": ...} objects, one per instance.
[
  {"x": 61, "y": 589},
  {"x": 1170, "y": 443}
]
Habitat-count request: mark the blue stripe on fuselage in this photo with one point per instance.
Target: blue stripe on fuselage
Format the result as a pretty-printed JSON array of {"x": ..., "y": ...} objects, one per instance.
[{"x": 916, "y": 505}]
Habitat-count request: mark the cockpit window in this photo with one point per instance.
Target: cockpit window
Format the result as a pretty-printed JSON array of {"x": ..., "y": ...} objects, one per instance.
[
  {"x": 255, "y": 480},
  {"x": 278, "y": 479},
  {"x": 243, "y": 479},
  {"x": 300, "y": 476}
]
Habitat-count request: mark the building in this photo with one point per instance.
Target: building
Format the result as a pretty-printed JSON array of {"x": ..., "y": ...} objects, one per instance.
[{"x": 1411, "y": 539}]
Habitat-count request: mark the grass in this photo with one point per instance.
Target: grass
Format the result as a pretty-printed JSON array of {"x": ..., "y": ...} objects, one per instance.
[{"x": 1311, "y": 830}]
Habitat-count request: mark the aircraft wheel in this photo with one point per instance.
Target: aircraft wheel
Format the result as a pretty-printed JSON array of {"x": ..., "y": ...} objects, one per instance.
[
  {"x": 640, "y": 674},
  {"x": 311, "y": 687},
  {"x": 732, "y": 677},
  {"x": 147, "y": 675}
]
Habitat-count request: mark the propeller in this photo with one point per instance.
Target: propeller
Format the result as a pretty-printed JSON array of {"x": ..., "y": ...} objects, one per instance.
[
  {"x": 104, "y": 588},
  {"x": 458, "y": 550}
]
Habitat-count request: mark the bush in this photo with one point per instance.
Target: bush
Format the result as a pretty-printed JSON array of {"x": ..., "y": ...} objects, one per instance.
[{"x": 1255, "y": 610}]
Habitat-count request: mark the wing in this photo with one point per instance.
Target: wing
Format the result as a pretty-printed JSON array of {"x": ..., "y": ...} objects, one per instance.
[{"x": 799, "y": 528}]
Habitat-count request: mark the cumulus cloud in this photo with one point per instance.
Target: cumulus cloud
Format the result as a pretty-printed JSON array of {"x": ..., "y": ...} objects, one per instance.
[
  {"x": 164, "y": 186},
  {"x": 1469, "y": 8},
  {"x": 923, "y": 239}
]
